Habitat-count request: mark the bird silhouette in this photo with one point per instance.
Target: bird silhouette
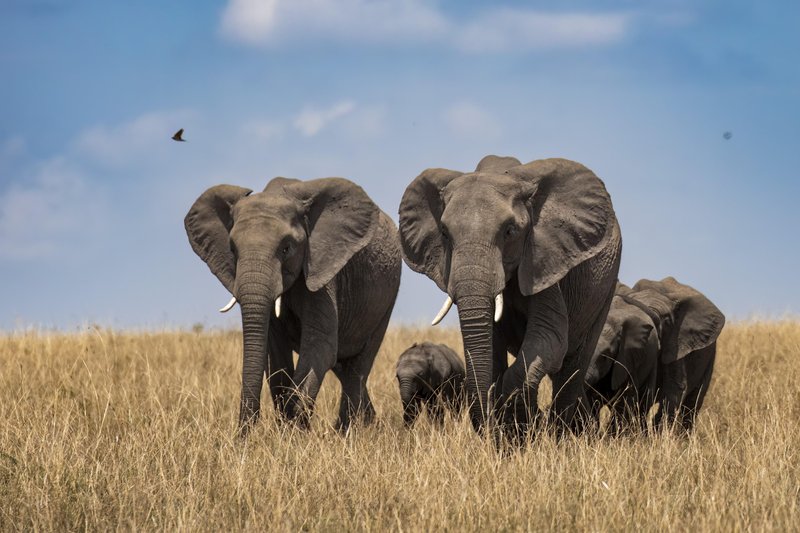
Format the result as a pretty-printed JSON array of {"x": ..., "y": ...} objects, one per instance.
[
  {"x": 178, "y": 136},
  {"x": 727, "y": 135}
]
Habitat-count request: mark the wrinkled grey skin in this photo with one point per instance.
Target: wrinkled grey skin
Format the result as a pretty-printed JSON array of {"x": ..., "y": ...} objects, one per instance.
[
  {"x": 334, "y": 258},
  {"x": 430, "y": 376},
  {"x": 545, "y": 235},
  {"x": 623, "y": 368},
  {"x": 676, "y": 371}
]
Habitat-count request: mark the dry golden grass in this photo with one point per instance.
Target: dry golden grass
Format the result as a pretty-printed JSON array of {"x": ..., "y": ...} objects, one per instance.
[{"x": 108, "y": 430}]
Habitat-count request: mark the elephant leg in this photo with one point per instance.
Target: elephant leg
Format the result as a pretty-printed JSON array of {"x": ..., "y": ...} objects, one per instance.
[
  {"x": 355, "y": 401},
  {"x": 280, "y": 368},
  {"x": 318, "y": 349},
  {"x": 671, "y": 393},
  {"x": 353, "y": 373},
  {"x": 568, "y": 393},
  {"x": 596, "y": 401},
  {"x": 411, "y": 410},
  {"x": 570, "y": 408},
  {"x": 436, "y": 410},
  {"x": 541, "y": 353},
  {"x": 694, "y": 400}
]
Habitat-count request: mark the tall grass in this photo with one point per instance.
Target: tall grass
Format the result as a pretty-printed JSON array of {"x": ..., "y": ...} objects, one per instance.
[{"x": 112, "y": 430}]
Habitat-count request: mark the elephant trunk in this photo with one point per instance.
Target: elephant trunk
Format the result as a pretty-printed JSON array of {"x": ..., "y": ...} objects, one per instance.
[
  {"x": 407, "y": 388},
  {"x": 475, "y": 314},
  {"x": 408, "y": 397},
  {"x": 476, "y": 278},
  {"x": 255, "y": 294}
]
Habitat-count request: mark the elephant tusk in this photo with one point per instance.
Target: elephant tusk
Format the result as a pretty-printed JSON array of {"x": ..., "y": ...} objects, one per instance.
[
  {"x": 278, "y": 307},
  {"x": 229, "y": 306},
  {"x": 498, "y": 307},
  {"x": 443, "y": 311}
]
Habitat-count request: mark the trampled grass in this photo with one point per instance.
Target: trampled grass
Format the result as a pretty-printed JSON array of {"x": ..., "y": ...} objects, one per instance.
[{"x": 111, "y": 430}]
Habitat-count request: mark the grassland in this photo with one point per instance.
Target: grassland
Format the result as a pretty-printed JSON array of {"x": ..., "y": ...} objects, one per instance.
[{"x": 110, "y": 430}]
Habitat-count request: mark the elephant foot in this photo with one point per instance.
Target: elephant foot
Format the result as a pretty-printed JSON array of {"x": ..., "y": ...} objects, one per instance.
[{"x": 248, "y": 416}]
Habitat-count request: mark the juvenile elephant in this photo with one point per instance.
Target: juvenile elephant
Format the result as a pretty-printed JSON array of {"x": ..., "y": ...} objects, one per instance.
[
  {"x": 623, "y": 372},
  {"x": 315, "y": 267},
  {"x": 530, "y": 255},
  {"x": 688, "y": 325},
  {"x": 431, "y": 376}
]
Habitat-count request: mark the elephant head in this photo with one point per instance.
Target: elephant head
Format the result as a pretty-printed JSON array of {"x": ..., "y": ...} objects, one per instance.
[
  {"x": 259, "y": 245},
  {"x": 686, "y": 320},
  {"x": 471, "y": 233},
  {"x": 627, "y": 349}
]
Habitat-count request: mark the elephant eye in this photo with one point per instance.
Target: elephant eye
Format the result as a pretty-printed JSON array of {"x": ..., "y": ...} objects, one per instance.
[
  {"x": 286, "y": 249},
  {"x": 511, "y": 230}
]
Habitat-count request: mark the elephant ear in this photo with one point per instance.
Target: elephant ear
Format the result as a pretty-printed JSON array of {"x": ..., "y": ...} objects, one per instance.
[
  {"x": 340, "y": 219},
  {"x": 622, "y": 289},
  {"x": 571, "y": 220},
  {"x": 638, "y": 351},
  {"x": 497, "y": 163},
  {"x": 420, "y": 212},
  {"x": 695, "y": 322},
  {"x": 208, "y": 224}
]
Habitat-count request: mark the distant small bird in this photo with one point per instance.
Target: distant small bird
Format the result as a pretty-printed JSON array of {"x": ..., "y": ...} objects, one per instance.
[
  {"x": 727, "y": 135},
  {"x": 178, "y": 136}
]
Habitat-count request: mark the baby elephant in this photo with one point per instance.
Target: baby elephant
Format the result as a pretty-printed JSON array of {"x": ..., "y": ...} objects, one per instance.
[
  {"x": 658, "y": 345},
  {"x": 433, "y": 375}
]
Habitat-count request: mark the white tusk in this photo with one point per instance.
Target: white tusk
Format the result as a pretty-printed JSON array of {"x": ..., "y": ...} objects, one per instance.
[
  {"x": 443, "y": 311},
  {"x": 229, "y": 306},
  {"x": 498, "y": 307},
  {"x": 278, "y": 307}
]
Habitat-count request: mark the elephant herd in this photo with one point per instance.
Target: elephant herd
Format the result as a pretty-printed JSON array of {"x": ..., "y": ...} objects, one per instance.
[{"x": 529, "y": 254}]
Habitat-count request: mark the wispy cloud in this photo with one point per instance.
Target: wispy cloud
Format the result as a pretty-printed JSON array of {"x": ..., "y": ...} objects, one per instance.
[
  {"x": 509, "y": 29},
  {"x": 468, "y": 120},
  {"x": 49, "y": 209},
  {"x": 310, "y": 121},
  {"x": 263, "y": 22},
  {"x": 120, "y": 144},
  {"x": 274, "y": 22}
]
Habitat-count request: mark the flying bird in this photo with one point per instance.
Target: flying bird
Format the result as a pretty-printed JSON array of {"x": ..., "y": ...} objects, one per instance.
[
  {"x": 178, "y": 136},
  {"x": 727, "y": 135}
]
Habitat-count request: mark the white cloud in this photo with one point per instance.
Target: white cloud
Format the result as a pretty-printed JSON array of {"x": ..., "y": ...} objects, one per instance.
[
  {"x": 36, "y": 216},
  {"x": 507, "y": 29},
  {"x": 273, "y": 22},
  {"x": 259, "y": 22},
  {"x": 123, "y": 143},
  {"x": 312, "y": 120},
  {"x": 468, "y": 120},
  {"x": 249, "y": 21}
]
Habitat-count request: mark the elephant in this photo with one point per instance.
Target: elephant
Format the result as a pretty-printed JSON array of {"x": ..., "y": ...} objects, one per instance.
[
  {"x": 530, "y": 254},
  {"x": 432, "y": 376},
  {"x": 676, "y": 371},
  {"x": 315, "y": 267},
  {"x": 622, "y": 372}
]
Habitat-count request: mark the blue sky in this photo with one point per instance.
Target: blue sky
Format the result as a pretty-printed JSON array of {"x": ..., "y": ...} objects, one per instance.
[{"x": 93, "y": 192}]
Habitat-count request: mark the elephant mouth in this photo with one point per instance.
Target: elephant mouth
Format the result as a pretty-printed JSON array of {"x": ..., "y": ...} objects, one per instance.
[
  {"x": 448, "y": 303},
  {"x": 230, "y": 305}
]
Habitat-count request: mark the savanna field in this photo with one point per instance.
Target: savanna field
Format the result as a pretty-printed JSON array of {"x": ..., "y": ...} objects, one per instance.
[{"x": 110, "y": 430}]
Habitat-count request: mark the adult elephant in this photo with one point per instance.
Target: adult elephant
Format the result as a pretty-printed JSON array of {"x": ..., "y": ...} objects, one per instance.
[
  {"x": 530, "y": 255},
  {"x": 315, "y": 267}
]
